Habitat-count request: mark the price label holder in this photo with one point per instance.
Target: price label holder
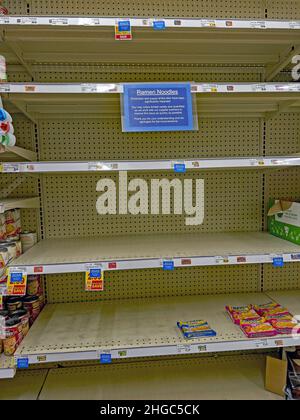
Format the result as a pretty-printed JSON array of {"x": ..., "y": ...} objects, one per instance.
[
  {"x": 123, "y": 30},
  {"x": 23, "y": 363},
  {"x": 278, "y": 261},
  {"x": 105, "y": 358},
  {"x": 29, "y": 20},
  {"x": 210, "y": 88},
  {"x": 16, "y": 281},
  {"x": 294, "y": 25},
  {"x": 261, "y": 343},
  {"x": 259, "y": 88},
  {"x": 222, "y": 260},
  {"x": 258, "y": 24},
  {"x": 168, "y": 265},
  {"x": 89, "y": 21},
  {"x": 4, "y": 88},
  {"x": 179, "y": 167},
  {"x": 94, "y": 278},
  {"x": 159, "y": 25},
  {"x": 4, "y": 20},
  {"x": 208, "y": 23},
  {"x": 12, "y": 167},
  {"x": 59, "y": 21},
  {"x": 184, "y": 348}
]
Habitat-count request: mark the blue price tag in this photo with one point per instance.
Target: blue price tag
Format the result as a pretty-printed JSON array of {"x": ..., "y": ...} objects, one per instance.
[
  {"x": 124, "y": 26},
  {"x": 23, "y": 363},
  {"x": 168, "y": 265},
  {"x": 180, "y": 168},
  {"x": 95, "y": 273},
  {"x": 16, "y": 277},
  {"x": 105, "y": 358},
  {"x": 159, "y": 25},
  {"x": 278, "y": 262}
]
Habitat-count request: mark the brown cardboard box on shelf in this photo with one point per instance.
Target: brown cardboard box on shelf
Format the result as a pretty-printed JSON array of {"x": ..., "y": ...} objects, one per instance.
[{"x": 276, "y": 375}]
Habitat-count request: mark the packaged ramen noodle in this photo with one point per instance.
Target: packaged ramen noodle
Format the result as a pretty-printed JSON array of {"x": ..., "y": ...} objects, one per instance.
[
  {"x": 195, "y": 329},
  {"x": 240, "y": 313}
]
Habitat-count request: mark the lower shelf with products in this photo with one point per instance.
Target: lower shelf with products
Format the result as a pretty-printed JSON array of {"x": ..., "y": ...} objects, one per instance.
[{"x": 140, "y": 328}]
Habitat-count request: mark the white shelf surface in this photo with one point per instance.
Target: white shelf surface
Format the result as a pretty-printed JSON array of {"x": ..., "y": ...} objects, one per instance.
[
  {"x": 7, "y": 367},
  {"x": 19, "y": 203},
  {"x": 125, "y": 252},
  {"x": 207, "y": 378},
  {"x": 141, "y": 328},
  {"x": 146, "y": 165}
]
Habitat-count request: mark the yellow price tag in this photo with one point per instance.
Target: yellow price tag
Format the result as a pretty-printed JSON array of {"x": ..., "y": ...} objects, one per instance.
[{"x": 94, "y": 279}]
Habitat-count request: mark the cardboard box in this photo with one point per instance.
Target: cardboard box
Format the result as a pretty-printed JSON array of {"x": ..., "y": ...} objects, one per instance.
[
  {"x": 284, "y": 220},
  {"x": 276, "y": 375}
]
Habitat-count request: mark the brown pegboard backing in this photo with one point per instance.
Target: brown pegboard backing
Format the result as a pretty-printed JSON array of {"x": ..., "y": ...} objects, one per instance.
[
  {"x": 24, "y": 132},
  {"x": 283, "y": 9},
  {"x": 134, "y": 284},
  {"x": 283, "y": 184},
  {"x": 232, "y": 203},
  {"x": 17, "y": 7},
  {"x": 285, "y": 278},
  {"x": 187, "y": 8},
  {"x": 17, "y": 76},
  {"x": 139, "y": 73},
  {"x": 283, "y": 134},
  {"x": 103, "y": 139}
]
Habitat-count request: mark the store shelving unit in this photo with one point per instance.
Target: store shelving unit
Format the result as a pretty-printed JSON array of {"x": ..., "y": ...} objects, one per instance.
[
  {"x": 52, "y": 256},
  {"x": 69, "y": 70},
  {"x": 143, "y": 328}
]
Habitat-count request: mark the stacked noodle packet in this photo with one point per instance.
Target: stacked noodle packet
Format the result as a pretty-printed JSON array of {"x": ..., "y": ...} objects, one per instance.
[
  {"x": 265, "y": 320},
  {"x": 195, "y": 329}
]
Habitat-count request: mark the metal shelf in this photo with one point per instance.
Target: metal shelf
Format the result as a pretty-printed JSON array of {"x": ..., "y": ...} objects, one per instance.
[
  {"x": 7, "y": 367},
  {"x": 111, "y": 166},
  {"x": 141, "y": 328},
  {"x": 11, "y": 154},
  {"x": 65, "y": 39},
  {"x": 19, "y": 203},
  {"x": 206, "y": 378},
  {"x": 125, "y": 252},
  {"x": 101, "y": 100}
]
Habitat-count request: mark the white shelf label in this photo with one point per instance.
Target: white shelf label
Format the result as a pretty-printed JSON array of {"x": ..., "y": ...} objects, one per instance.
[
  {"x": 4, "y": 88},
  {"x": 258, "y": 24},
  {"x": 222, "y": 260},
  {"x": 294, "y": 25},
  {"x": 11, "y": 167},
  {"x": 208, "y": 23},
  {"x": 259, "y": 88},
  {"x": 88, "y": 88},
  {"x": 89, "y": 21},
  {"x": 59, "y": 21},
  {"x": 257, "y": 162},
  {"x": 4, "y": 20},
  {"x": 261, "y": 343},
  {"x": 184, "y": 348},
  {"x": 210, "y": 88},
  {"x": 28, "y": 20}
]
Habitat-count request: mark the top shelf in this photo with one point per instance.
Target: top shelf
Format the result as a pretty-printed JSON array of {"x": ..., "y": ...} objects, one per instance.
[{"x": 37, "y": 40}]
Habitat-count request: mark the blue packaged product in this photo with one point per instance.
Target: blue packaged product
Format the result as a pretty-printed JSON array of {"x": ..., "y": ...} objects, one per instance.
[{"x": 195, "y": 329}]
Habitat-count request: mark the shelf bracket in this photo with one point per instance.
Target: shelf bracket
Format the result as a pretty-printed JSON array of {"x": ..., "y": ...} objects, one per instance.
[
  {"x": 22, "y": 109},
  {"x": 5, "y": 192},
  {"x": 18, "y": 53},
  {"x": 273, "y": 71}
]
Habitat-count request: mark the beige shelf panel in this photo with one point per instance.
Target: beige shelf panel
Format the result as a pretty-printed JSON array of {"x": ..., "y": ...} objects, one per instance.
[
  {"x": 79, "y": 327},
  {"x": 226, "y": 378},
  {"x": 13, "y": 154},
  {"x": 290, "y": 299},
  {"x": 19, "y": 203},
  {"x": 174, "y": 45},
  {"x": 24, "y": 386},
  {"x": 80, "y": 250}
]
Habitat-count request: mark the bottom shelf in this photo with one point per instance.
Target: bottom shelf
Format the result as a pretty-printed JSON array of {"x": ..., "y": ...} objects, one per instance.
[
  {"x": 146, "y": 327},
  {"x": 225, "y": 378}
]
